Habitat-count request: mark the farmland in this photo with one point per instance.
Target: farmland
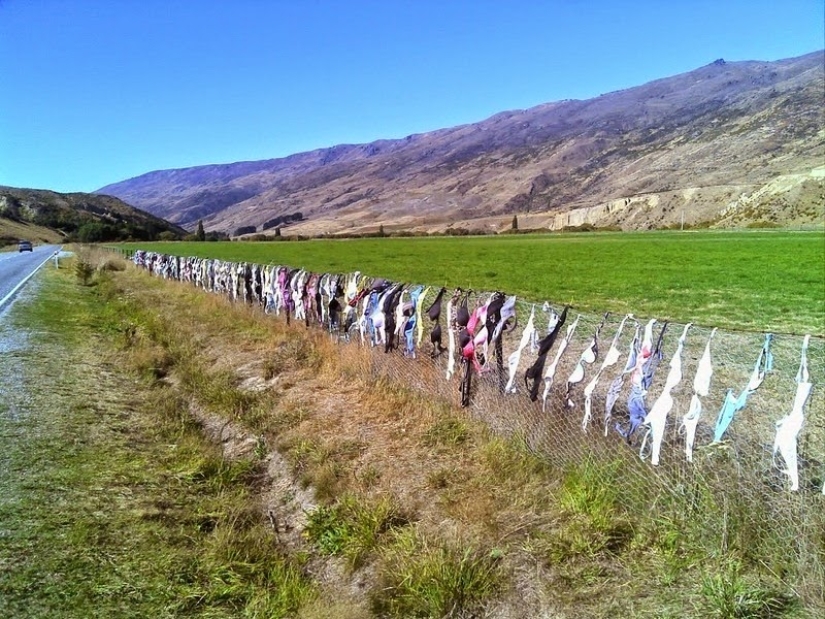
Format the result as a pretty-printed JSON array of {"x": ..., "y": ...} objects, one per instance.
[{"x": 749, "y": 280}]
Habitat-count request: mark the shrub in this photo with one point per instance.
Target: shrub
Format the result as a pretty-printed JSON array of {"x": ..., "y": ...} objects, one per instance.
[{"x": 84, "y": 271}]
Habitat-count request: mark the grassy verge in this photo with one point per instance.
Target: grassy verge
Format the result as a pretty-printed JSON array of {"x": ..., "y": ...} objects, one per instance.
[
  {"x": 378, "y": 501},
  {"x": 112, "y": 502}
]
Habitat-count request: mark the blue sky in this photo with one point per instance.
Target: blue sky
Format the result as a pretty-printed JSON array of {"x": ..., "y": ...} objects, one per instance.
[{"x": 96, "y": 91}]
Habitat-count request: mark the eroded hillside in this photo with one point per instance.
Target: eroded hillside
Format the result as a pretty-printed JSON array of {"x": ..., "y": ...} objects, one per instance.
[{"x": 726, "y": 144}]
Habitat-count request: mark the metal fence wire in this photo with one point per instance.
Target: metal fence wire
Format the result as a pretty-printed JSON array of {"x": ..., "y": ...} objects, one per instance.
[{"x": 743, "y": 471}]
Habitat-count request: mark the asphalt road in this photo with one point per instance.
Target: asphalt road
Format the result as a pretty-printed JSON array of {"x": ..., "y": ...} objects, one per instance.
[{"x": 17, "y": 267}]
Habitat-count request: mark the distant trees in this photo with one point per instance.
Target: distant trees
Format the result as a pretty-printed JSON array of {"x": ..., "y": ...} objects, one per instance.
[
  {"x": 93, "y": 232},
  {"x": 515, "y": 222},
  {"x": 99, "y": 232},
  {"x": 200, "y": 235},
  {"x": 244, "y": 230}
]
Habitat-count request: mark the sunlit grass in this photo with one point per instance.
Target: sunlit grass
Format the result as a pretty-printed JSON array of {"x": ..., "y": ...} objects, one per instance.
[{"x": 759, "y": 280}]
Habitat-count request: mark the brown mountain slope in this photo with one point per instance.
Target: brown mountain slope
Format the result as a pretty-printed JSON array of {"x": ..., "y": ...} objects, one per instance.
[
  {"x": 728, "y": 143},
  {"x": 12, "y": 231}
]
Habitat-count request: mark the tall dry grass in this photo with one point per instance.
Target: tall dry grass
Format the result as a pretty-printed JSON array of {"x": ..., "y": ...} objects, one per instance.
[{"x": 569, "y": 524}]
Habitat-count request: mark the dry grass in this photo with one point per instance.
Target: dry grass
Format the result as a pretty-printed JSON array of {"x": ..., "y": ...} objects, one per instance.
[
  {"x": 341, "y": 430},
  {"x": 553, "y": 537},
  {"x": 15, "y": 230}
]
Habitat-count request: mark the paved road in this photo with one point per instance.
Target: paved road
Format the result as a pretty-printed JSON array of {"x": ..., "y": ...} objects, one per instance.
[{"x": 17, "y": 267}]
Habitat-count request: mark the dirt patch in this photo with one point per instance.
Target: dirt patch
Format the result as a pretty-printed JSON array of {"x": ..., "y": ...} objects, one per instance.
[{"x": 236, "y": 443}]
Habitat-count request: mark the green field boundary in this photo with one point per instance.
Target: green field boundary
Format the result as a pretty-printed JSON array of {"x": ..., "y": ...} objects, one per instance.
[{"x": 750, "y": 281}]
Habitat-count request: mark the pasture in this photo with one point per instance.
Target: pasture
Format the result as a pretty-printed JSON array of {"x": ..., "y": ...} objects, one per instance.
[{"x": 760, "y": 280}]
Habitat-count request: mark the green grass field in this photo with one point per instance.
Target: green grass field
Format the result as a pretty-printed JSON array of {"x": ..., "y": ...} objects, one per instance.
[{"x": 752, "y": 280}]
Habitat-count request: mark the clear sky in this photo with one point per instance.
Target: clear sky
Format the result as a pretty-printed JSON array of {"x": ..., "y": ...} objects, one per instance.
[{"x": 97, "y": 91}]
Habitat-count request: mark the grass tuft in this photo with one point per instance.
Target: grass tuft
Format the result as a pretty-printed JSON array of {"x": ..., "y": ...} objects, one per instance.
[
  {"x": 727, "y": 594},
  {"x": 448, "y": 432},
  {"x": 419, "y": 578},
  {"x": 510, "y": 461},
  {"x": 590, "y": 489},
  {"x": 352, "y": 528}
]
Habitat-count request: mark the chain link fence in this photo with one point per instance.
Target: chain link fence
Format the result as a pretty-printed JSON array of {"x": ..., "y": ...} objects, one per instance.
[{"x": 735, "y": 489}]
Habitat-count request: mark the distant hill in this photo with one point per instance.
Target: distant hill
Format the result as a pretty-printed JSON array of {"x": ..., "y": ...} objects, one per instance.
[
  {"x": 77, "y": 217},
  {"x": 728, "y": 144},
  {"x": 12, "y": 231}
]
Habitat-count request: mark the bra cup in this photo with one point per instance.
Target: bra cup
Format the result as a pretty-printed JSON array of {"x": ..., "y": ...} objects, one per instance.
[
  {"x": 462, "y": 316},
  {"x": 612, "y": 356},
  {"x": 577, "y": 374}
]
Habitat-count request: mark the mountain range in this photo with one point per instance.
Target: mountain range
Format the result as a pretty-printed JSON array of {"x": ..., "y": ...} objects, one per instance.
[{"x": 727, "y": 144}]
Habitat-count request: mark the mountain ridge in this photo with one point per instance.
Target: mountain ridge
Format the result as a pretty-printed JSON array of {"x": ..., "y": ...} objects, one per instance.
[{"x": 716, "y": 136}]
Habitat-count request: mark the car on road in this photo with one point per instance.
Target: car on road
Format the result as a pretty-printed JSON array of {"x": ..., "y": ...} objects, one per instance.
[{"x": 24, "y": 246}]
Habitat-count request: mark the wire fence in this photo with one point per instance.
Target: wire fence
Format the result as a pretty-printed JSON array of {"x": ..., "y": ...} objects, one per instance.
[{"x": 742, "y": 476}]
